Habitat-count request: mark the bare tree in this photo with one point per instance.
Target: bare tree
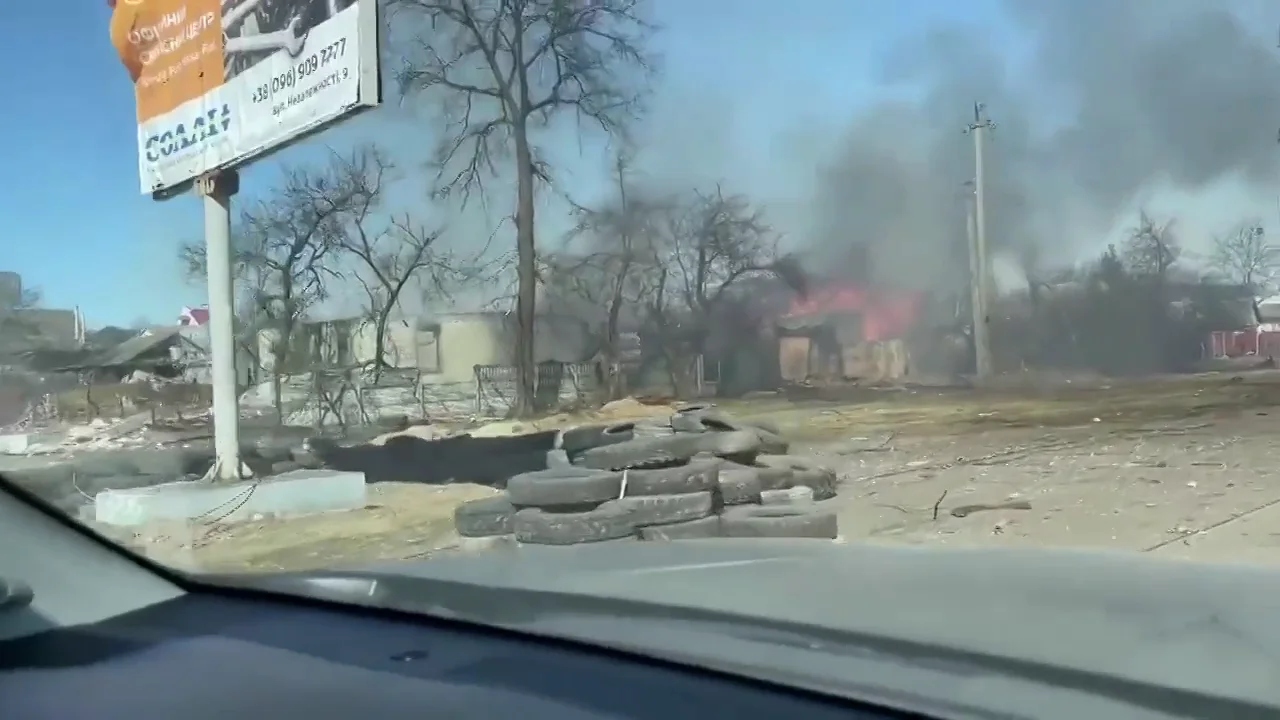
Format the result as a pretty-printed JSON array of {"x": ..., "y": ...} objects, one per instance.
[
  {"x": 392, "y": 257},
  {"x": 287, "y": 244},
  {"x": 505, "y": 68},
  {"x": 605, "y": 280},
  {"x": 712, "y": 241},
  {"x": 1151, "y": 248},
  {"x": 1141, "y": 283},
  {"x": 1246, "y": 257}
]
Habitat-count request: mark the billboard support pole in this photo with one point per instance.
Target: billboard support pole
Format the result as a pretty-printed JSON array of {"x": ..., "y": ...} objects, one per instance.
[{"x": 216, "y": 190}]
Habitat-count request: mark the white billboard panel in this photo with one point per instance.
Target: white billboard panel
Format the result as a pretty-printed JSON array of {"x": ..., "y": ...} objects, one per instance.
[{"x": 219, "y": 82}]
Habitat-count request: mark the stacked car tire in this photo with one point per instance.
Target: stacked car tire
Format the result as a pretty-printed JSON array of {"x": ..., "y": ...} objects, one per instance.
[{"x": 700, "y": 475}]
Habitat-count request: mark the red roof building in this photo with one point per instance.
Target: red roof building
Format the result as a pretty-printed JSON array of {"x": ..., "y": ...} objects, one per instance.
[{"x": 193, "y": 317}]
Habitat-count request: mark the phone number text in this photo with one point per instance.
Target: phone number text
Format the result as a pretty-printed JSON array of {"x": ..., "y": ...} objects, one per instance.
[{"x": 299, "y": 71}]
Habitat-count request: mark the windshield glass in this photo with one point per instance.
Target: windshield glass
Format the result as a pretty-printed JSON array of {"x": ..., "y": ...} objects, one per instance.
[{"x": 328, "y": 282}]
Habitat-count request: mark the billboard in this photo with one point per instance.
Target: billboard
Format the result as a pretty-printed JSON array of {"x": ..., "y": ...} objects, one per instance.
[{"x": 218, "y": 82}]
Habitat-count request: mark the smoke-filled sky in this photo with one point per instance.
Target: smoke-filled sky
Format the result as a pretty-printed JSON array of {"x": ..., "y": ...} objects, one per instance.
[
  {"x": 843, "y": 116},
  {"x": 1101, "y": 107}
]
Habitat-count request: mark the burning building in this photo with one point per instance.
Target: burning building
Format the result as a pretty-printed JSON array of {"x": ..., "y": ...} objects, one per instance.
[{"x": 844, "y": 332}]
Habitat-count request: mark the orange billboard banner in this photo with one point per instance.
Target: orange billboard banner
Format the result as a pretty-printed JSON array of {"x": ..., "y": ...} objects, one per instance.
[
  {"x": 219, "y": 82},
  {"x": 171, "y": 48}
]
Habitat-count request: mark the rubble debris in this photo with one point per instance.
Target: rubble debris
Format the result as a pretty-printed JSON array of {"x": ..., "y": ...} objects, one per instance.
[{"x": 422, "y": 432}]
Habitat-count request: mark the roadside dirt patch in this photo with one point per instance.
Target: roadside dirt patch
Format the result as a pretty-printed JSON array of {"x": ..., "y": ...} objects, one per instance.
[
  {"x": 1173, "y": 466},
  {"x": 401, "y": 521},
  {"x": 1158, "y": 488}
]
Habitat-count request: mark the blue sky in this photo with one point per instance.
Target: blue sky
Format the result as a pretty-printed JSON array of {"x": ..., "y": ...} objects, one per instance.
[{"x": 743, "y": 81}]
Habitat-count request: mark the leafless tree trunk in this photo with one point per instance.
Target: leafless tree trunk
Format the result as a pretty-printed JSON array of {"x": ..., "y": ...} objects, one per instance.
[
  {"x": 627, "y": 237},
  {"x": 504, "y": 69}
]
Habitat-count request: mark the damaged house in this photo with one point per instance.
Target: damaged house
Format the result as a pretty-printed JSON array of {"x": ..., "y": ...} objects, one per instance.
[
  {"x": 174, "y": 354},
  {"x": 165, "y": 367}
]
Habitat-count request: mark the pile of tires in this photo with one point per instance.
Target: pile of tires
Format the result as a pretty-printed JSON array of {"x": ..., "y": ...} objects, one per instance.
[{"x": 702, "y": 474}]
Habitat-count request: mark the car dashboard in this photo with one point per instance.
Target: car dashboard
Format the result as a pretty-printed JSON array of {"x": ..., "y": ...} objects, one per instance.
[
  {"x": 89, "y": 631},
  {"x": 204, "y": 656}
]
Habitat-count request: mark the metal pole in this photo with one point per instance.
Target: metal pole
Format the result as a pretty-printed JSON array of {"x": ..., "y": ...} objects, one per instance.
[
  {"x": 981, "y": 335},
  {"x": 217, "y": 190}
]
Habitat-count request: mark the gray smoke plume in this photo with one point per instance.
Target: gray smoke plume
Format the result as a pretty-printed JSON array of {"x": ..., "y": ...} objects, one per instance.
[{"x": 1113, "y": 98}]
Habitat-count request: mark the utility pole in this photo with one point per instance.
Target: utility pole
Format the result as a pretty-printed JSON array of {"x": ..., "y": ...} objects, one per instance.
[
  {"x": 977, "y": 299},
  {"x": 979, "y": 268}
]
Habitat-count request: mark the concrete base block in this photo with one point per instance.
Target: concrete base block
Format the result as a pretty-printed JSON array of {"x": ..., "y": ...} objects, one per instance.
[
  {"x": 16, "y": 444},
  {"x": 27, "y": 443},
  {"x": 301, "y": 492}
]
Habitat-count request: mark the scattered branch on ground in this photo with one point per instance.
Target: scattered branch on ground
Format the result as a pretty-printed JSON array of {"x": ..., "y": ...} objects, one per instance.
[{"x": 967, "y": 510}]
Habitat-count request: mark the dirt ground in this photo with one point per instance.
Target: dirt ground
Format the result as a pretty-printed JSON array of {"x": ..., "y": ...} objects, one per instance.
[{"x": 1181, "y": 466}]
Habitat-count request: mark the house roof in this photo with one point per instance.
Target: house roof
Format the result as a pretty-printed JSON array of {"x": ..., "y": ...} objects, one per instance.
[
  {"x": 193, "y": 316},
  {"x": 127, "y": 352}
]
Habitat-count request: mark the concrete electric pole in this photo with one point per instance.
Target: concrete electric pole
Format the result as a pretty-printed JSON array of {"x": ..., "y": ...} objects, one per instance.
[{"x": 979, "y": 268}]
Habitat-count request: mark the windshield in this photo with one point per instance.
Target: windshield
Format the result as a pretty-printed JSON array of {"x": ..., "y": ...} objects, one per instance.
[{"x": 297, "y": 284}]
